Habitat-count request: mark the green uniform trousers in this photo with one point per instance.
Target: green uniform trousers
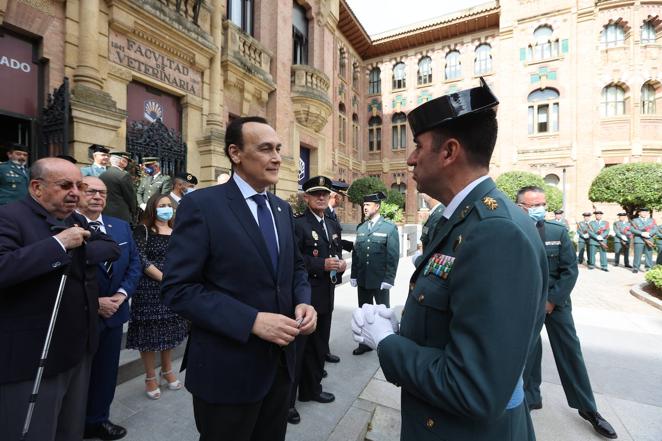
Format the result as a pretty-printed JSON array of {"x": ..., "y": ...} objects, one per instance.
[
  {"x": 582, "y": 246},
  {"x": 639, "y": 249},
  {"x": 603, "y": 256},
  {"x": 619, "y": 249}
]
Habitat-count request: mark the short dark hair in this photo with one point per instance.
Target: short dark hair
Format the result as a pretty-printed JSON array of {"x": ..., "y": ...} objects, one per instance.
[
  {"x": 233, "y": 132},
  {"x": 528, "y": 188},
  {"x": 476, "y": 132}
]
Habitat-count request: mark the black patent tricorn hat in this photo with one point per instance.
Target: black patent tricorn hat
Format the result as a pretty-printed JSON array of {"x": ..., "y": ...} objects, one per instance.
[{"x": 449, "y": 107}]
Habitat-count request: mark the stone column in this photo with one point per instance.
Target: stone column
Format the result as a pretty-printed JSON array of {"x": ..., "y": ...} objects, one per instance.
[
  {"x": 87, "y": 69},
  {"x": 215, "y": 119}
]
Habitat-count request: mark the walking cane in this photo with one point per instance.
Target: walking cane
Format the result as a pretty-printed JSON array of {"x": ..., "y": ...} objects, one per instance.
[{"x": 47, "y": 344}]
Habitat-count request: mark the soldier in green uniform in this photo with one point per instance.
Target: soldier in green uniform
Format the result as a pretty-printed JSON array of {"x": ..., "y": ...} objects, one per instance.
[
  {"x": 643, "y": 229},
  {"x": 558, "y": 321},
  {"x": 434, "y": 215},
  {"x": 622, "y": 238},
  {"x": 100, "y": 158},
  {"x": 477, "y": 299},
  {"x": 14, "y": 176},
  {"x": 153, "y": 182},
  {"x": 583, "y": 239},
  {"x": 658, "y": 241},
  {"x": 598, "y": 230},
  {"x": 558, "y": 217},
  {"x": 375, "y": 257}
]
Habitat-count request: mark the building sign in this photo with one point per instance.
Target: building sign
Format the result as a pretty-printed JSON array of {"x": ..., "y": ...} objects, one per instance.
[
  {"x": 143, "y": 59},
  {"x": 18, "y": 70},
  {"x": 304, "y": 165}
]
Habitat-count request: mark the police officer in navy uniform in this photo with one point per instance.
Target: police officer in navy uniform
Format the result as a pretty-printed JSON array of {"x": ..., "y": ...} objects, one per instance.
[
  {"x": 558, "y": 320},
  {"x": 14, "y": 176},
  {"x": 319, "y": 240}
]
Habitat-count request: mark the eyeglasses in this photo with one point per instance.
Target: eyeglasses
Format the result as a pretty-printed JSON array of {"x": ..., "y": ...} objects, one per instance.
[
  {"x": 67, "y": 185},
  {"x": 91, "y": 192}
]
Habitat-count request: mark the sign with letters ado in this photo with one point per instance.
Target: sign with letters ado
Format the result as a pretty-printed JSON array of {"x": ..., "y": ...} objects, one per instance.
[
  {"x": 139, "y": 57},
  {"x": 19, "y": 76}
]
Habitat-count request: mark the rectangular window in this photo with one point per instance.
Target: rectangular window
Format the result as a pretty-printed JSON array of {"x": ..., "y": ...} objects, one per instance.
[
  {"x": 395, "y": 137},
  {"x": 543, "y": 118},
  {"x": 240, "y": 12},
  {"x": 371, "y": 140},
  {"x": 378, "y": 135},
  {"x": 555, "y": 117},
  {"x": 531, "y": 120}
]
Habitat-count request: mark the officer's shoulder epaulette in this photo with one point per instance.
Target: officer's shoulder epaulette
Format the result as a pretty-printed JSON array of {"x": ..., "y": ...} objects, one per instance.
[
  {"x": 298, "y": 215},
  {"x": 491, "y": 206}
]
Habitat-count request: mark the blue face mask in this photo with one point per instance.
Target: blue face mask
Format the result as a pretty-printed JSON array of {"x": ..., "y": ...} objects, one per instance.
[
  {"x": 164, "y": 213},
  {"x": 189, "y": 190},
  {"x": 149, "y": 170},
  {"x": 537, "y": 213}
]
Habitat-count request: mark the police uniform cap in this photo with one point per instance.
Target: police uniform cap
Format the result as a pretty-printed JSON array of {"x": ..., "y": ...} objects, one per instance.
[
  {"x": 187, "y": 177},
  {"x": 586, "y": 213},
  {"x": 448, "y": 108},
  {"x": 375, "y": 197},
  {"x": 598, "y": 212},
  {"x": 339, "y": 186},
  {"x": 96, "y": 148},
  {"x": 558, "y": 212},
  {"x": 643, "y": 209},
  {"x": 150, "y": 159},
  {"x": 125, "y": 155},
  {"x": 622, "y": 213},
  {"x": 317, "y": 183}
]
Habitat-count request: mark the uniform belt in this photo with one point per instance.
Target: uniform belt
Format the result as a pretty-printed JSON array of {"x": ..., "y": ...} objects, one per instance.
[{"x": 517, "y": 396}]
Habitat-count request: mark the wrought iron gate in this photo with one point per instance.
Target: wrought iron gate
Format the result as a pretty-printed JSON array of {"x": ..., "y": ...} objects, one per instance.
[
  {"x": 54, "y": 123},
  {"x": 155, "y": 139}
]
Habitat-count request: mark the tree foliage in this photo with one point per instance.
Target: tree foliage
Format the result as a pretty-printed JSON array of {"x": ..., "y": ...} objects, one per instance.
[
  {"x": 364, "y": 186},
  {"x": 511, "y": 182},
  {"x": 629, "y": 185},
  {"x": 391, "y": 212},
  {"x": 395, "y": 197}
]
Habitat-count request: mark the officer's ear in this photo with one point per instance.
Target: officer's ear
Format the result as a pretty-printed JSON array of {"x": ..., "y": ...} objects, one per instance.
[{"x": 450, "y": 150}]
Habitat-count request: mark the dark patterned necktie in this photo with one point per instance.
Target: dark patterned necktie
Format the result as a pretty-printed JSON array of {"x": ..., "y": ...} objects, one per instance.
[
  {"x": 108, "y": 265},
  {"x": 266, "y": 225}
]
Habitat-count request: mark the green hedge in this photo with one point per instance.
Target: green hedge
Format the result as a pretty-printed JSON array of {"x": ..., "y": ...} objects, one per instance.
[{"x": 654, "y": 276}]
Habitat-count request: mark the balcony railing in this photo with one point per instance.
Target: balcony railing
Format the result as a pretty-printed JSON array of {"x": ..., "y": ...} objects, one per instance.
[
  {"x": 310, "y": 96},
  {"x": 189, "y": 9},
  {"x": 246, "y": 52}
]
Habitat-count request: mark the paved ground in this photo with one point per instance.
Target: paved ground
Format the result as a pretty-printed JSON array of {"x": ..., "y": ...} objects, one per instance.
[{"x": 621, "y": 339}]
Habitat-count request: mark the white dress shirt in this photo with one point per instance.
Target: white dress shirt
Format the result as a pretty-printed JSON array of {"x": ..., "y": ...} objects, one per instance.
[{"x": 455, "y": 202}]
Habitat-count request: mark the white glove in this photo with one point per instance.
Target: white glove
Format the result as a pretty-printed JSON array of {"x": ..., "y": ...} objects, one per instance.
[
  {"x": 143, "y": 205},
  {"x": 389, "y": 313},
  {"x": 624, "y": 237},
  {"x": 645, "y": 234},
  {"x": 585, "y": 236},
  {"x": 415, "y": 256},
  {"x": 369, "y": 327},
  {"x": 353, "y": 283},
  {"x": 385, "y": 285},
  {"x": 600, "y": 237}
]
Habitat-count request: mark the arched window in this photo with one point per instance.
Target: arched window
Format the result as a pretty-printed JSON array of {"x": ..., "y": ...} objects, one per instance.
[
  {"x": 552, "y": 179},
  {"x": 342, "y": 123},
  {"x": 613, "y": 101},
  {"x": 453, "y": 66},
  {"x": 399, "y": 131},
  {"x": 483, "y": 60},
  {"x": 342, "y": 61},
  {"x": 612, "y": 35},
  {"x": 425, "y": 71},
  {"x": 543, "y": 111},
  {"x": 648, "y": 33},
  {"x": 375, "y": 134},
  {"x": 648, "y": 99},
  {"x": 545, "y": 45},
  {"x": 375, "y": 81},
  {"x": 399, "y": 76},
  {"x": 355, "y": 131}
]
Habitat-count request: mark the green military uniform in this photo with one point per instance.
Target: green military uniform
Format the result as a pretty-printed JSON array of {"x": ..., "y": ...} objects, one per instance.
[
  {"x": 640, "y": 229},
  {"x": 560, "y": 326},
  {"x": 658, "y": 240},
  {"x": 150, "y": 185},
  {"x": 597, "y": 231},
  {"x": 429, "y": 228},
  {"x": 375, "y": 260},
  {"x": 475, "y": 303},
  {"x": 582, "y": 242},
  {"x": 563, "y": 221},
  {"x": 13, "y": 182},
  {"x": 622, "y": 238}
]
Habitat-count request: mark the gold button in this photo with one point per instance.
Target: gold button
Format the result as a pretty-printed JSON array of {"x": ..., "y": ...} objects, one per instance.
[
  {"x": 421, "y": 298},
  {"x": 429, "y": 423},
  {"x": 412, "y": 286}
]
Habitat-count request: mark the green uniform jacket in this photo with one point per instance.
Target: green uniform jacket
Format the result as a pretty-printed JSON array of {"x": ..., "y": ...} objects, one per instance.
[
  {"x": 430, "y": 224},
  {"x": 583, "y": 230},
  {"x": 562, "y": 263},
  {"x": 622, "y": 231},
  {"x": 121, "y": 201},
  {"x": 149, "y": 186},
  {"x": 464, "y": 339},
  {"x": 639, "y": 226},
  {"x": 375, "y": 255},
  {"x": 596, "y": 230},
  {"x": 13, "y": 183}
]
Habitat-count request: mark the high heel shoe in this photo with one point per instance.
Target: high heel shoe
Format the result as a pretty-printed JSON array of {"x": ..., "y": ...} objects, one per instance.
[
  {"x": 175, "y": 385},
  {"x": 153, "y": 394}
]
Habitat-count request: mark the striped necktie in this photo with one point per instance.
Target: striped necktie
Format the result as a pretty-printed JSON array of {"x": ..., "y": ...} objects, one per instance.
[{"x": 108, "y": 265}]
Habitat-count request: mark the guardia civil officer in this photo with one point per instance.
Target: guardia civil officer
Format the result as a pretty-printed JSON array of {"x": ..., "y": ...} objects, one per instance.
[
  {"x": 583, "y": 240},
  {"x": 558, "y": 320},
  {"x": 598, "y": 230},
  {"x": 153, "y": 182},
  {"x": 643, "y": 228},
  {"x": 14, "y": 176},
  {"x": 622, "y": 239},
  {"x": 374, "y": 257},
  {"x": 434, "y": 215},
  {"x": 319, "y": 240},
  {"x": 477, "y": 299},
  {"x": 100, "y": 158},
  {"x": 558, "y": 217}
]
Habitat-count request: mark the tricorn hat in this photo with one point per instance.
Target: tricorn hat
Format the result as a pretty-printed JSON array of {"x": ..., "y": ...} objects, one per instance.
[
  {"x": 622, "y": 213},
  {"x": 586, "y": 213},
  {"x": 96, "y": 148},
  {"x": 598, "y": 212},
  {"x": 558, "y": 212},
  {"x": 450, "y": 107},
  {"x": 375, "y": 197}
]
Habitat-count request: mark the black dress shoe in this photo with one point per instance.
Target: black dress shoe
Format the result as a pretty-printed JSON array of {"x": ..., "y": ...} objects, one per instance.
[
  {"x": 362, "y": 349},
  {"x": 599, "y": 424},
  {"x": 605, "y": 270},
  {"x": 635, "y": 271},
  {"x": 324, "y": 373},
  {"x": 628, "y": 266},
  {"x": 105, "y": 431},
  {"x": 293, "y": 416},
  {"x": 591, "y": 267},
  {"x": 330, "y": 358},
  {"x": 535, "y": 406},
  {"x": 323, "y": 397}
]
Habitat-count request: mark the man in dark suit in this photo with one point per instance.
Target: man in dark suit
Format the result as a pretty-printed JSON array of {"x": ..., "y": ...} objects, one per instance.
[
  {"x": 318, "y": 238},
  {"x": 121, "y": 200},
  {"x": 477, "y": 298},
  {"x": 117, "y": 282},
  {"x": 40, "y": 238},
  {"x": 233, "y": 270},
  {"x": 560, "y": 326}
]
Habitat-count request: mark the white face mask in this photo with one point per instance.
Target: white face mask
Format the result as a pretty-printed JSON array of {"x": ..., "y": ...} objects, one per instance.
[{"x": 189, "y": 190}]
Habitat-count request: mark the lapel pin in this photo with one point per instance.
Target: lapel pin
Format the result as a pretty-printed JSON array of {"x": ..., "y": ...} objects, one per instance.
[
  {"x": 465, "y": 211},
  {"x": 109, "y": 226},
  {"x": 279, "y": 209}
]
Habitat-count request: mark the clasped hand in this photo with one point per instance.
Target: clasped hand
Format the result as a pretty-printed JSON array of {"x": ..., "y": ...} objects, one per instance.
[
  {"x": 282, "y": 330},
  {"x": 372, "y": 323}
]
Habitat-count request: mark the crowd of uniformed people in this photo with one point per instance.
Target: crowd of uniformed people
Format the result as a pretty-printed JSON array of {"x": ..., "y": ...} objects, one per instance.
[{"x": 252, "y": 288}]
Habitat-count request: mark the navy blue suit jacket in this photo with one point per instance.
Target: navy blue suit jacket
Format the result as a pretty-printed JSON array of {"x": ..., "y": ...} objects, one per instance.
[
  {"x": 127, "y": 269},
  {"x": 218, "y": 274}
]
